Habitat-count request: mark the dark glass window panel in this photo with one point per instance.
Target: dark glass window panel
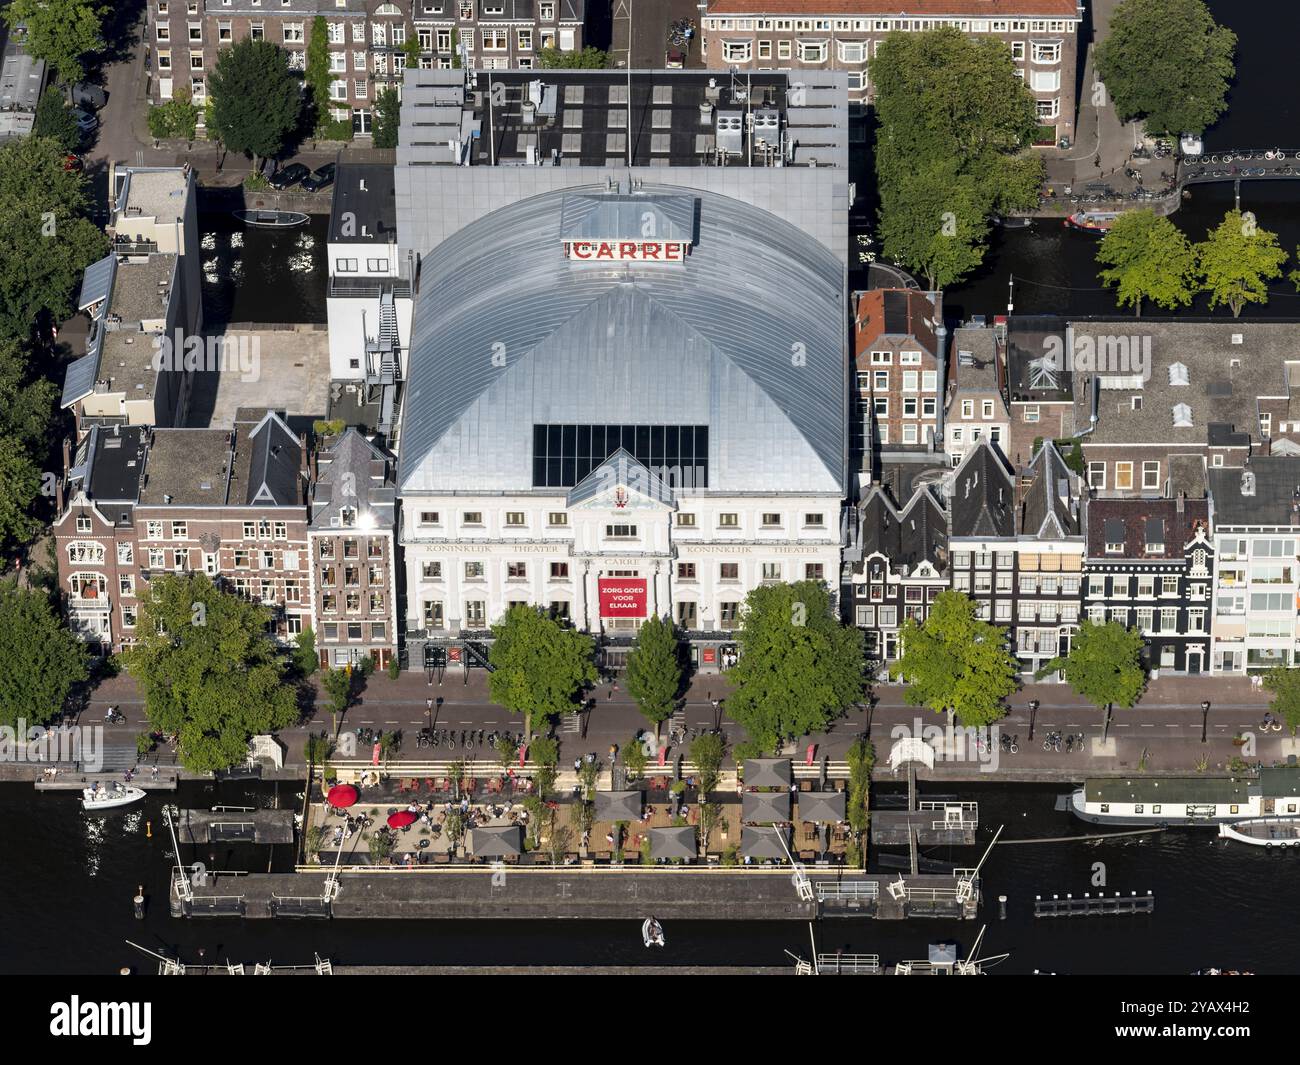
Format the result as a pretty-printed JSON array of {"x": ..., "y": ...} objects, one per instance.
[
  {"x": 570, "y": 440},
  {"x": 568, "y": 470},
  {"x": 584, "y": 441},
  {"x": 563, "y": 455},
  {"x": 554, "y": 440},
  {"x": 657, "y": 444}
]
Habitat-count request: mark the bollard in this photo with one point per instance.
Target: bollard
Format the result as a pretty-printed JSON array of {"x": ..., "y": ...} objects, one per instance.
[
  {"x": 1002, "y": 907},
  {"x": 124, "y": 971},
  {"x": 148, "y": 830},
  {"x": 138, "y": 903}
]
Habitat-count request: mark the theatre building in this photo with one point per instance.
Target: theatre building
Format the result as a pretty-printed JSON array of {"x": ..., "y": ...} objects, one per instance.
[{"x": 627, "y": 391}]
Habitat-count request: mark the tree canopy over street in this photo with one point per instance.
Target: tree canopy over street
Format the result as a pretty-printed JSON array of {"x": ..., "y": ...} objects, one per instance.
[
  {"x": 799, "y": 667},
  {"x": 1237, "y": 260},
  {"x": 1104, "y": 664},
  {"x": 42, "y": 660},
  {"x": 954, "y": 119},
  {"x": 61, "y": 32},
  {"x": 955, "y": 662},
  {"x": 539, "y": 666},
  {"x": 208, "y": 670},
  {"x": 1147, "y": 257},
  {"x": 1168, "y": 62},
  {"x": 654, "y": 669},
  {"x": 48, "y": 242},
  {"x": 256, "y": 100}
]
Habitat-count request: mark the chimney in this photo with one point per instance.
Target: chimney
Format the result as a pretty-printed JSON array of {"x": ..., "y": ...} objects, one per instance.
[{"x": 1181, "y": 502}]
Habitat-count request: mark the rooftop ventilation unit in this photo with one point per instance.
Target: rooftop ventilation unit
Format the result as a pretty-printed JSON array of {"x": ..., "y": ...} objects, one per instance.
[
  {"x": 767, "y": 125},
  {"x": 731, "y": 132}
]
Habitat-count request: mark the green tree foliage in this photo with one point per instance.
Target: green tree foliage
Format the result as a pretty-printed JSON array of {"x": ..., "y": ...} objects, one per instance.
[
  {"x": 208, "y": 670},
  {"x": 178, "y": 118},
  {"x": 54, "y": 120},
  {"x": 256, "y": 101},
  {"x": 1284, "y": 683},
  {"x": 42, "y": 659},
  {"x": 654, "y": 669},
  {"x": 799, "y": 667},
  {"x": 340, "y": 688},
  {"x": 861, "y": 757},
  {"x": 589, "y": 58},
  {"x": 1104, "y": 664},
  {"x": 954, "y": 122},
  {"x": 47, "y": 241},
  {"x": 956, "y": 662},
  {"x": 26, "y": 403},
  {"x": 1167, "y": 61},
  {"x": 62, "y": 32},
  {"x": 1237, "y": 260},
  {"x": 1147, "y": 257},
  {"x": 304, "y": 654},
  {"x": 317, "y": 72},
  {"x": 539, "y": 665},
  {"x": 707, "y": 752},
  {"x": 388, "y": 118}
]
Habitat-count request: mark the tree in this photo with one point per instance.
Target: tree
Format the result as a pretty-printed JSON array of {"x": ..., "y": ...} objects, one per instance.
[
  {"x": 954, "y": 120},
  {"x": 799, "y": 667},
  {"x": 340, "y": 688},
  {"x": 304, "y": 654},
  {"x": 48, "y": 242},
  {"x": 208, "y": 670},
  {"x": 654, "y": 670},
  {"x": 1104, "y": 665},
  {"x": 1237, "y": 260},
  {"x": 54, "y": 120},
  {"x": 61, "y": 32},
  {"x": 20, "y": 484},
  {"x": 1284, "y": 683},
  {"x": 42, "y": 659},
  {"x": 538, "y": 665},
  {"x": 317, "y": 71},
  {"x": 178, "y": 118},
  {"x": 388, "y": 118},
  {"x": 1167, "y": 61},
  {"x": 956, "y": 663},
  {"x": 1147, "y": 257},
  {"x": 256, "y": 101},
  {"x": 26, "y": 402},
  {"x": 590, "y": 58}
]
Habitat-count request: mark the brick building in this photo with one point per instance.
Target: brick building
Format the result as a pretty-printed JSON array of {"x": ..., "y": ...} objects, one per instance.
[
  {"x": 353, "y": 568},
  {"x": 751, "y": 35},
  {"x": 142, "y": 501},
  {"x": 974, "y": 407},
  {"x": 370, "y": 41}
]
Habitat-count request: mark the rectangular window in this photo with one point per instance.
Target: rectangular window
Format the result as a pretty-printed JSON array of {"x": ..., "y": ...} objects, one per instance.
[{"x": 729, "y": 571}]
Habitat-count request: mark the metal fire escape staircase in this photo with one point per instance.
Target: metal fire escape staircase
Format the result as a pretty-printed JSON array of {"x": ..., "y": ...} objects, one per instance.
[{"x": 383, "y": 368}]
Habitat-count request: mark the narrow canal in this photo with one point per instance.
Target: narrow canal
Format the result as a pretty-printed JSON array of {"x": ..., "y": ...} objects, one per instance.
[{"x": 68, "y": 880}]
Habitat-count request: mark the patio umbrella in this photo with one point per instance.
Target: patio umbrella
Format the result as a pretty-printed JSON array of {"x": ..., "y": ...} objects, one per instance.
[
  {"x": 402, "y": 818},
  {"x": 341, "y": 796}
]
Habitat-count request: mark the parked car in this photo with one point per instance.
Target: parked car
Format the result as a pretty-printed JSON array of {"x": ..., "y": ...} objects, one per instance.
[
  {"x": 88, "y": 97},
  {"x": 289, "y": 176},
  {"x": 73, "y": 162},
  {"x": 86, "y": 121},
  {"x": 320, "y": 178}
]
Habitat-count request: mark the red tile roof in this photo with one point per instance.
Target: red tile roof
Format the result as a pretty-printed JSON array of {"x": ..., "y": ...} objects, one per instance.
[{"x": 900, "y": 8}]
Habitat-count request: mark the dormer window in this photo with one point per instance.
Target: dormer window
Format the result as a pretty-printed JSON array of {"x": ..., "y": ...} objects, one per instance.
[
  {"x": 1182, "y": 416},
  {"x": 348, "y": 517},
  {"x": 1178, "y": 375}
]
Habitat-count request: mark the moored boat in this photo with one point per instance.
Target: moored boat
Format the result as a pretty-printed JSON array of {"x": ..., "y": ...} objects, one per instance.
[
  {"x": 1267, "y": 832},
  {"x": 105, "y": 797},
  {"x": 1273, "y": 792},
  {"x": 271, "y": 219},
  {"x": 1091, "y": 221},
  {"x": 652, "y": 932}
]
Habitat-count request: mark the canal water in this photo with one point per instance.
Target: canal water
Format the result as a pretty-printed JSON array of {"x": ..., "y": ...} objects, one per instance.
[
  {"x": 259, "y": 275},
  {"x": 68, "y": 879}
]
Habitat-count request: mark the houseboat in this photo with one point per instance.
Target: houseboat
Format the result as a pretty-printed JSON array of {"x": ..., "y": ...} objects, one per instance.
[{"x": 1198, "y": 800}]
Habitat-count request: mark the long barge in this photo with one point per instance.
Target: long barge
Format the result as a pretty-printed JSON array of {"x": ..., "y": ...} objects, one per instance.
[{"x": 1192, "y": 800}]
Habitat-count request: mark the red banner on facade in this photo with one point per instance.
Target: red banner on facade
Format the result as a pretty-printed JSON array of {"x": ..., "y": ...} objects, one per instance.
[
  {"x": 710, "y": 656},
  {"x": 623, "y": 597}
]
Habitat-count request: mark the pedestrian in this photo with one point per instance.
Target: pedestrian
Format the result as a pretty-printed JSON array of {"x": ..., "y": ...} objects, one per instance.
[{"x": 613, "y": 752}]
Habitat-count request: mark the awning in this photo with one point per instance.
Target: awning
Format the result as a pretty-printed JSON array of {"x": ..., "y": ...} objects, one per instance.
[
  {"x": 402, "y": 818},
  {"x": 673, "y": 843},
  {"x": 79, "y": 379},
  {"x": 97, "y": 282},
  {"x": 342, "y": 796},
  {"x": 765, "y": 807},
  {"x": 618, "y": 806},
  {"x": 768, "y": 773},
  {"x": 821, "y": 806},
  {"x": 501, "y": 841},
  {"x": 762, "y": 842}
]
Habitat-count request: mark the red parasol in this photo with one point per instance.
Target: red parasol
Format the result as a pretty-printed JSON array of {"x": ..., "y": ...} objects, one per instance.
[
  {"x": 342, "y": 796},
  {"x": 401, "y": 819}
]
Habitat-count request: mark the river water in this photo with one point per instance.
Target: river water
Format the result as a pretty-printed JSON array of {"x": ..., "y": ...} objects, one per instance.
[{"x": 68, "y": 879}]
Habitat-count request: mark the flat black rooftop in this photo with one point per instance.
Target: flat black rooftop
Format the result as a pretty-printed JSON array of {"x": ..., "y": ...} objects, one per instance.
[
  {"x": 602, "y": 118},
  {"x": 363, "y": 209},
  {"x": 118, "y": 463}
]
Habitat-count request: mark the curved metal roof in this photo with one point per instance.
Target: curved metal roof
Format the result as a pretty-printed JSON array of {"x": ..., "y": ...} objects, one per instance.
[{"x": 747, "y": 337}]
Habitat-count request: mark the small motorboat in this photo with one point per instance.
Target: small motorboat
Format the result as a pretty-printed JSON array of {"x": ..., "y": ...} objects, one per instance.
[
  {"x": 1012, "y": 223},
  {"x": 271, "y": 219},
  {"x": 652, "y": 932},
  {"x": 1091, "y": 221},
  {"x": 106, "y": 797},
  {"x": 1268, "y": 832}
]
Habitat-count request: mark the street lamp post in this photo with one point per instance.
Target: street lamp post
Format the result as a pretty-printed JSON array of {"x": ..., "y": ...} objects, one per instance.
[
  {"x": 717, "y": 717},
  {"x": 1033, "y": 713},
  {"x": 428, "y": 712},
  {"x": 1205, "y": 719}
]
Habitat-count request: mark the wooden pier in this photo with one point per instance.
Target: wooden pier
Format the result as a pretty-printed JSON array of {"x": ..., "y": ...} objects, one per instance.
[
  {"x": 70, "y": 780},
  {"x": 1088, "y": 905}
]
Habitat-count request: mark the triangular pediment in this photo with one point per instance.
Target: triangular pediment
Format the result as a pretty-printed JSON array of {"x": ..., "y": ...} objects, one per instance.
[{"x": 621, "y": 483}]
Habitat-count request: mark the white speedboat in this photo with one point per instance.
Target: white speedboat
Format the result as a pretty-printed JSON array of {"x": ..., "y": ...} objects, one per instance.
[
  {"x": 105, "y": 797},
  {"x": 652, "y": 932},
  {"x": 1267, "y": 832}
]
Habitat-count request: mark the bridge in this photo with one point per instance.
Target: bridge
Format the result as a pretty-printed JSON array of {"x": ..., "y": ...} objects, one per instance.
[{"x": 1236, "y": 165}]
